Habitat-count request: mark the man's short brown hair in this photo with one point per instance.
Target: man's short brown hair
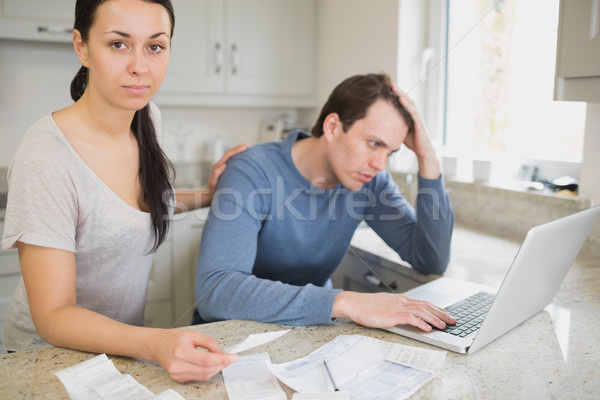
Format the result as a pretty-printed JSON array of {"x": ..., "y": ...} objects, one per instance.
[{"x": 351, "y": 99}]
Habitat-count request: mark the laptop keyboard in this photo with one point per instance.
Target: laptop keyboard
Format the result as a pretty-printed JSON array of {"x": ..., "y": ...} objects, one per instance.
[{"x": 469, "y": 313}]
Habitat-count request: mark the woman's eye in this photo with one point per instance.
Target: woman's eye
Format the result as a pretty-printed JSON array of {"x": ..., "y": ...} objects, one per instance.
[
  {"x": 373, "y": 144},
  {"x": 155, "y": 48},
  {"x": 117, "y": 45}
]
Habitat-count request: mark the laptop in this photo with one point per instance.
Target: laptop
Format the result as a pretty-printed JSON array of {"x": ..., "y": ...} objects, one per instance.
[{"x": 541, "y": 264}]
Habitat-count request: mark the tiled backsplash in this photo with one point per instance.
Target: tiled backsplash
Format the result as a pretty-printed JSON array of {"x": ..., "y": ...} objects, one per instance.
[{"x": 506, "y": 213}]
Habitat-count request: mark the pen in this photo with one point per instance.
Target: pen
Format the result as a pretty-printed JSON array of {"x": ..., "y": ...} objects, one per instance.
[{"x": 330, "y": 376}]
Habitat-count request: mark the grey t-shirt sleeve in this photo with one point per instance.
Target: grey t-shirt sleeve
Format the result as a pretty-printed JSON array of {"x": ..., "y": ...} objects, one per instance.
[{"x": 42, "y": 202}]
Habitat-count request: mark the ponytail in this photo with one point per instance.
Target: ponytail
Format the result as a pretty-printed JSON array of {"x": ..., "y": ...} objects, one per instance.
[
  {"x": 79, "y": 83},
  {"x": 155, "y": 172}
]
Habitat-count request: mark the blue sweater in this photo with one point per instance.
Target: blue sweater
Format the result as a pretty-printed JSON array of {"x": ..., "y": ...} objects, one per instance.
[{"x": 273, "y": 240}]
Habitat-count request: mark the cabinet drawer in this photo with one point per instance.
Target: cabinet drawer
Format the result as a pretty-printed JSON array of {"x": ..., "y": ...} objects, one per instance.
[
  {"x": 158, "y": 315},
  {"x": 160, "y": 281},
  {"x": 362, "y": 271},
  {"x": 7, "y": 287},
  {"x": 9, "y": 260},
  {"x": 37, "y": 20},
  {"x": 9, "y": 263}
]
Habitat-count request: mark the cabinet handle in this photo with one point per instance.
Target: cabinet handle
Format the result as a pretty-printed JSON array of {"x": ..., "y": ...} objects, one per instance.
[
  {"x": 235, "y": 59},
  {"x": 426, "y": 58},
  {"x": 54, "y": 30},
  {"x": 373, "y": 280},
  {"x": 218, "y": 58},
  {"x": 595, "y": 22}
]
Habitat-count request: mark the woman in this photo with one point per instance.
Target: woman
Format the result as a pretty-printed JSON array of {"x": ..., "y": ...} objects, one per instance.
[{"x": 90, "y": 196}]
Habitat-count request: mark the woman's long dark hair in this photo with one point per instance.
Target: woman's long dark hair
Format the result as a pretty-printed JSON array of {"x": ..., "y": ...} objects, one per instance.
[{"x": 155, "y": 169}]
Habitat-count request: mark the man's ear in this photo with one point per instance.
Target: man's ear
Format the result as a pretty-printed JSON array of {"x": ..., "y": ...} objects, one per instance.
[
  {"x": 331, "y": 126},
  {"x": 81, "y": 48}
]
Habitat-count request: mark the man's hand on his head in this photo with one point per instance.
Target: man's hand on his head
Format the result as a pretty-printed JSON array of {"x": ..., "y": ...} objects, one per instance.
[{"x": 418, "y": 140}]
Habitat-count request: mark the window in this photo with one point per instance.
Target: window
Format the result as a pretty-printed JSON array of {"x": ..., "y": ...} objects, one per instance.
[{"x": 497, "y": 60}]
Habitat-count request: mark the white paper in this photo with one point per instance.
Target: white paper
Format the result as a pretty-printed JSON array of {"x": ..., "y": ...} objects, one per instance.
[
  {"x": 249, "y": 379},
  {"x": 254, "y": 340},
  {"x": 78, "y": 378},
  {"x": 124, "y": 387},
  {"x": 415, "y": 357},
  {"x": 387, "y": 380},
  {"x": 322, "y": 396},
  {"x": 97, "y": 378},
  {"x": 346, "y": 356},
  {"x": 358, "y": 365}
]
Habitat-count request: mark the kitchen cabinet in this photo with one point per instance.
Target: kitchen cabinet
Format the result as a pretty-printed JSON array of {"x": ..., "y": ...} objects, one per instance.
[
  {"x": 362, "y": 271},
  {"x": 224, "y": 52},
  {"x": 578, "y": 51},
  {"x": 37, "y": 20},
  {"x": 10, "y": 273},
  {"x": 187, "y": 234},
  {"x": 242, "y": 52},
  {"x": 159, "y": 299},
  {"x": 170, "y": 298}
]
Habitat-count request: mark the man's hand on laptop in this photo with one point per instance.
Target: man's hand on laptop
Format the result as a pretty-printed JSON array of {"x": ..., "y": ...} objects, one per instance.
[{"x": 385, "y": 310}]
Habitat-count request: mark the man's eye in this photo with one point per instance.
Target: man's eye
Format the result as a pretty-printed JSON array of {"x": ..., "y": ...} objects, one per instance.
[{"x": 373, "y": 144}]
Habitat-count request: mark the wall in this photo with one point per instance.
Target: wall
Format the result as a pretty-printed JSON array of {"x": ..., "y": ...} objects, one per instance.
[
  {"x": 189, "y": 136},
  {"x": 34, "y": 81},
  {"x": 357, "y": 37}
]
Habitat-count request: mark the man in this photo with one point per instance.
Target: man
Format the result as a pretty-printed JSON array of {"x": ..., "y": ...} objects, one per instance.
[{"x": 284, "y": 214}]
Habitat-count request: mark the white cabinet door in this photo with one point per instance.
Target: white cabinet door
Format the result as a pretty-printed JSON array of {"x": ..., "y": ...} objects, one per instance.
[
  {"x": 158, "y": 315},
  {"x": 578, "y": 51},
  {"x": 242, "y": 53},
  {"x": 187, "y": 235},
  {"x": 160, "y": 281},
  {"x": 37, "y": 20},
  {"x": 271, "y": 47},
  {"x": 196, "y": 64},
  {"x": 158, "y": 312},
  {"x": 10, "y": 273}
]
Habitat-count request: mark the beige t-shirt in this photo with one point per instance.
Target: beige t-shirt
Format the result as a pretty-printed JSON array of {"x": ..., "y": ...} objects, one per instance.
[{"x": 55, "y": 200}]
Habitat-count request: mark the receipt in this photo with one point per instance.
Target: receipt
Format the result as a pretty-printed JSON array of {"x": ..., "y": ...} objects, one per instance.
[
  {"x": 250, "y": 379},
  {"x": 322, "y": 396},
  {"x": 97, "y": 378},
  {"x": 423, "y": 359},
  {"x": 255, "y": 340},
  {"x": 358, "y": 365}
]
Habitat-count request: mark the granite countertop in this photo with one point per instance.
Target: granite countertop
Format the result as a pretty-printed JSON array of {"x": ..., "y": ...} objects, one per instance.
[{"x": 552, "y": 355}]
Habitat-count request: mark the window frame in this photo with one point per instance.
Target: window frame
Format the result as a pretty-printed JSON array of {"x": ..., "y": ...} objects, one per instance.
[{"x": 430, "y": 92}]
